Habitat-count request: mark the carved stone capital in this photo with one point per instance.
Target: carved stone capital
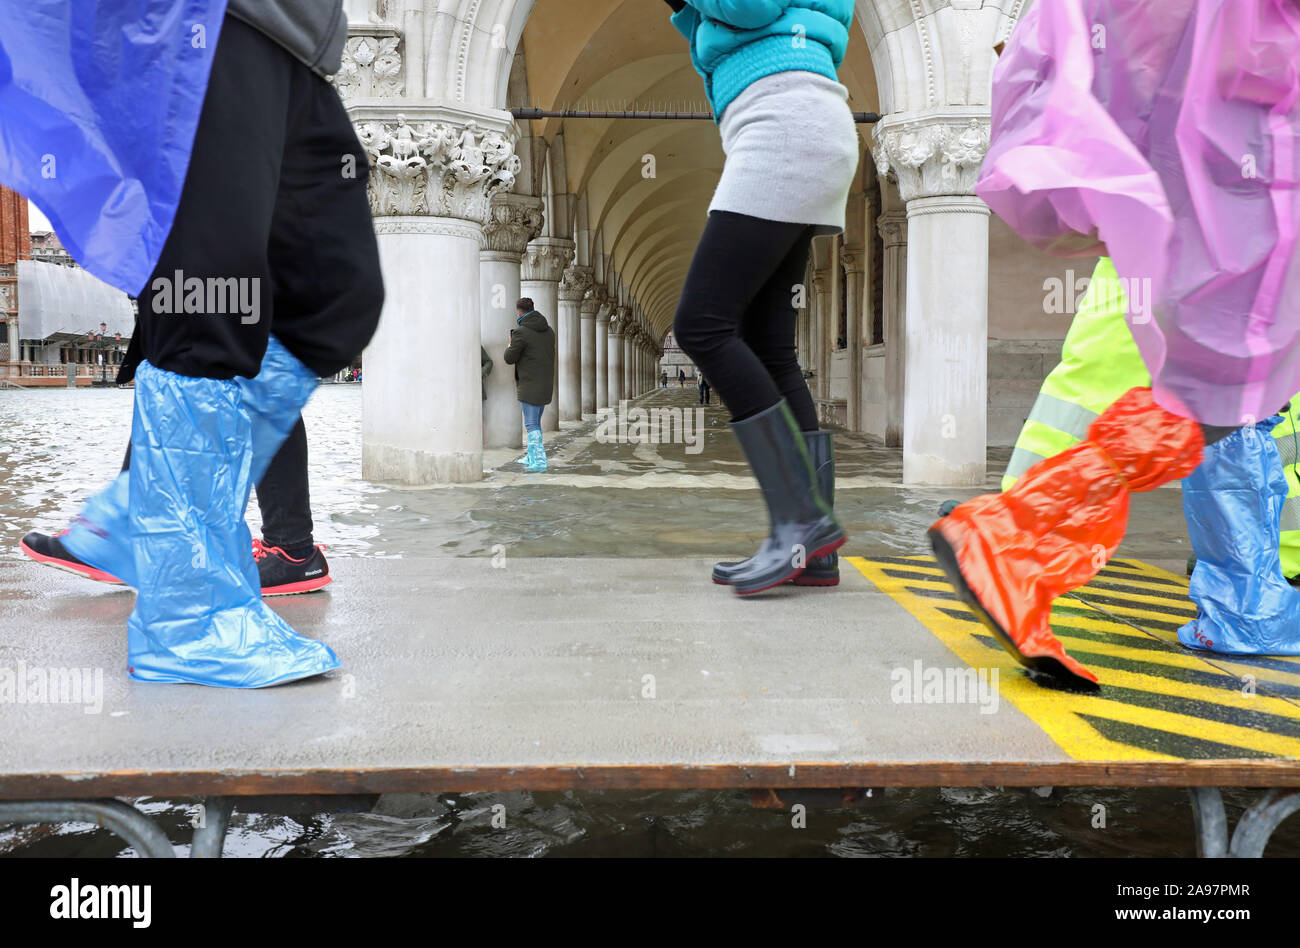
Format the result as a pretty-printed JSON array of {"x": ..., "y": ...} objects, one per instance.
[
  {"x": 892, "y": 228},
  {"x": 594, "y": 299},
  {"x": 372, "y": 64},
  {"x": 575, "y": 283},
  {"x": 932, "y": 156},
  {"x": 853, "y": 259},
  {"x": 513, "y": 220},
  {"x": 438, "y": 161},
  {"x": 545, "y": 259}
]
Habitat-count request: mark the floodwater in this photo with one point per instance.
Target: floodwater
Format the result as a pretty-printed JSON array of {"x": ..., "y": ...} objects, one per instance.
[{"x": 57, "y": 446}]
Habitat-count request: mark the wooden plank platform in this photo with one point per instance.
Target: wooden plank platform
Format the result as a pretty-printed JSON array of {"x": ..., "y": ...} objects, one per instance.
[{"x": 640, "y": 673}]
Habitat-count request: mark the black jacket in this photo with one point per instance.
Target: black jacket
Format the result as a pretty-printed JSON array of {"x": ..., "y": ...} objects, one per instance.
[
  {"x": 313, "y": 31},
  {"x": 532, "y": 353}
]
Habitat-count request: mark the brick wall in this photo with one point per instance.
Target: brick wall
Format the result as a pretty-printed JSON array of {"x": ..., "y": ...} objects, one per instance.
[{"x": 15, "y": 238}]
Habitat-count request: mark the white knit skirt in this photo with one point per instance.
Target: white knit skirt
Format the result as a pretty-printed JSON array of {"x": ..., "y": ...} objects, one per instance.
[{"x": 792, "y": 151}]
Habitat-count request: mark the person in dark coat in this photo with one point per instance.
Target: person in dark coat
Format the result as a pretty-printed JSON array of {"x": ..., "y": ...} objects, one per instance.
[{"x": 532, "y": 353}]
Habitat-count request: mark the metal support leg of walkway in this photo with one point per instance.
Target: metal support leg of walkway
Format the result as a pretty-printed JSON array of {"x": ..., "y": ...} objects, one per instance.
[
  {"x": 148, "y": 839},
  {"x": 1253, "y": 830}
]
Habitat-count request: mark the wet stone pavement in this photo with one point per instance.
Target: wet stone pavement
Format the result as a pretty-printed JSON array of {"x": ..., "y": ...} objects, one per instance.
[{"x": 601, "y": 497}]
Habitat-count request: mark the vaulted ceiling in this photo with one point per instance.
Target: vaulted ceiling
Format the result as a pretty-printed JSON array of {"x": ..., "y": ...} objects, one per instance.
[{"x": 624, "y": 54}]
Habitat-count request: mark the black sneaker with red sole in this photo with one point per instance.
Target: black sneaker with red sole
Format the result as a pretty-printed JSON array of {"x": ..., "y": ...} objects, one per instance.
[
  {"x": 280, "y": 573},
  {"x": 47, "y": 549},
  {"x": 284, "y": 575}
]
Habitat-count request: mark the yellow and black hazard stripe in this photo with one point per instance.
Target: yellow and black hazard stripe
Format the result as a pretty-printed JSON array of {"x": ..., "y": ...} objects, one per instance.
[{"x": 1158, "y": 700}]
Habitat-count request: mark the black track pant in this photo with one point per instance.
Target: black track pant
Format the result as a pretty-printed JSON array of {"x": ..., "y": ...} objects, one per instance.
[
  {"x": 737, "y": 315},
  {"x": 283, "y": 495},
  {"x": 273, "y": 232}
]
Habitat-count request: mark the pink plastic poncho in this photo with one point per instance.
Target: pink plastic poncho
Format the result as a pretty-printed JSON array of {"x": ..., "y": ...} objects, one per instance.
[{"x": 1166, "y": 134}]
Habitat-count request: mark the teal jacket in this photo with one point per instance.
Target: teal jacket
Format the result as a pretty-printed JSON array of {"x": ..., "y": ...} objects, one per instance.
[{"x": 737, "y": 42}]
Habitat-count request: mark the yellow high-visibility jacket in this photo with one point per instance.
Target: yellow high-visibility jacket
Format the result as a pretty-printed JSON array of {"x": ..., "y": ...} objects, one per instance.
[{"x": 1099, "y": 363}]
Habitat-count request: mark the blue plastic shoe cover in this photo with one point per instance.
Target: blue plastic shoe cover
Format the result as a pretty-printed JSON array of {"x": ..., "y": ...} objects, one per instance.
[
  {"x": 199, "y": 616},
  {"x": 99, "y": 534},
  {"x": 274, "y": 399},
  {"x": 1233, "y": 503},
  {"x": 535, "y": 459}
]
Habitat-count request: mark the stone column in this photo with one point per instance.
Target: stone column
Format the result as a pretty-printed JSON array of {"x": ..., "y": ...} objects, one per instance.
[
  {"x": 820, "y": 327},
  {"x": 852, "y": 259},
  {"x": 431, "y": 180},
  {"x": 803, "y": 332},
  {"x": 513, "y": 221},
  {"x": 629, "y": 342},
  {"x": 616, "y": 327},
  {"x": 573, "y": 287},
  {"x": 543, "y": 266},
  {"x": 936, "y": 161},
  {"x": 602, "y": 356},
  {"x": 892, "y": 227},
  {"x": 591, "y": 303},
  {"x": 630, "y": 336}
]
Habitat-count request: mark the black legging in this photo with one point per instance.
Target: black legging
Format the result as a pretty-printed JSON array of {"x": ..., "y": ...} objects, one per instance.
[{"x": 737, "y": 316}]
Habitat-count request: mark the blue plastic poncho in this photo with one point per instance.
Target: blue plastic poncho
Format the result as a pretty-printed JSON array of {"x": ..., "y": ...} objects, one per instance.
[
  {"x": 1233, "y": 503},
  {"x": 99, "y": 102}
]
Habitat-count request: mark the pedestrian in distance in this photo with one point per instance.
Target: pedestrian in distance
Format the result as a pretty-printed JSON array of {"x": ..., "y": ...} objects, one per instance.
[{"x": 532, "y": 353}]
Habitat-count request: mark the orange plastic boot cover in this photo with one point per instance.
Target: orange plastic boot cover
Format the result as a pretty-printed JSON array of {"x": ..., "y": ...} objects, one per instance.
[{"x": 1017, "y": 551}]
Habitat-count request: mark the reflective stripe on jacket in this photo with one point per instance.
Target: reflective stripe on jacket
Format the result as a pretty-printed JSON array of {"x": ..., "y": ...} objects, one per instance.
[{"x": 1099, "y": 363}]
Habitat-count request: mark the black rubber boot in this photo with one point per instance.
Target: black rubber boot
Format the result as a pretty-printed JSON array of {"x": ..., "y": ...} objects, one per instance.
[
  {"x": 802, "y": 527},
  {"x": 824, "y": 570}
]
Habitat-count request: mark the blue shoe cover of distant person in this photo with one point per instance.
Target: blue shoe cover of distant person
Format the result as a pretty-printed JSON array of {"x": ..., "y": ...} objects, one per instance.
[
  {"x": 199, "y": 616},
  {"x": 535, "y": 458},
  {"x": 99, "y": 534},
  {"x": 1233, "y": 503}
]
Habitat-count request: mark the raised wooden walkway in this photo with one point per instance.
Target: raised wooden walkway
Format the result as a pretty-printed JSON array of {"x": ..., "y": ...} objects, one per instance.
[{"x": 558, "y": 673}]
